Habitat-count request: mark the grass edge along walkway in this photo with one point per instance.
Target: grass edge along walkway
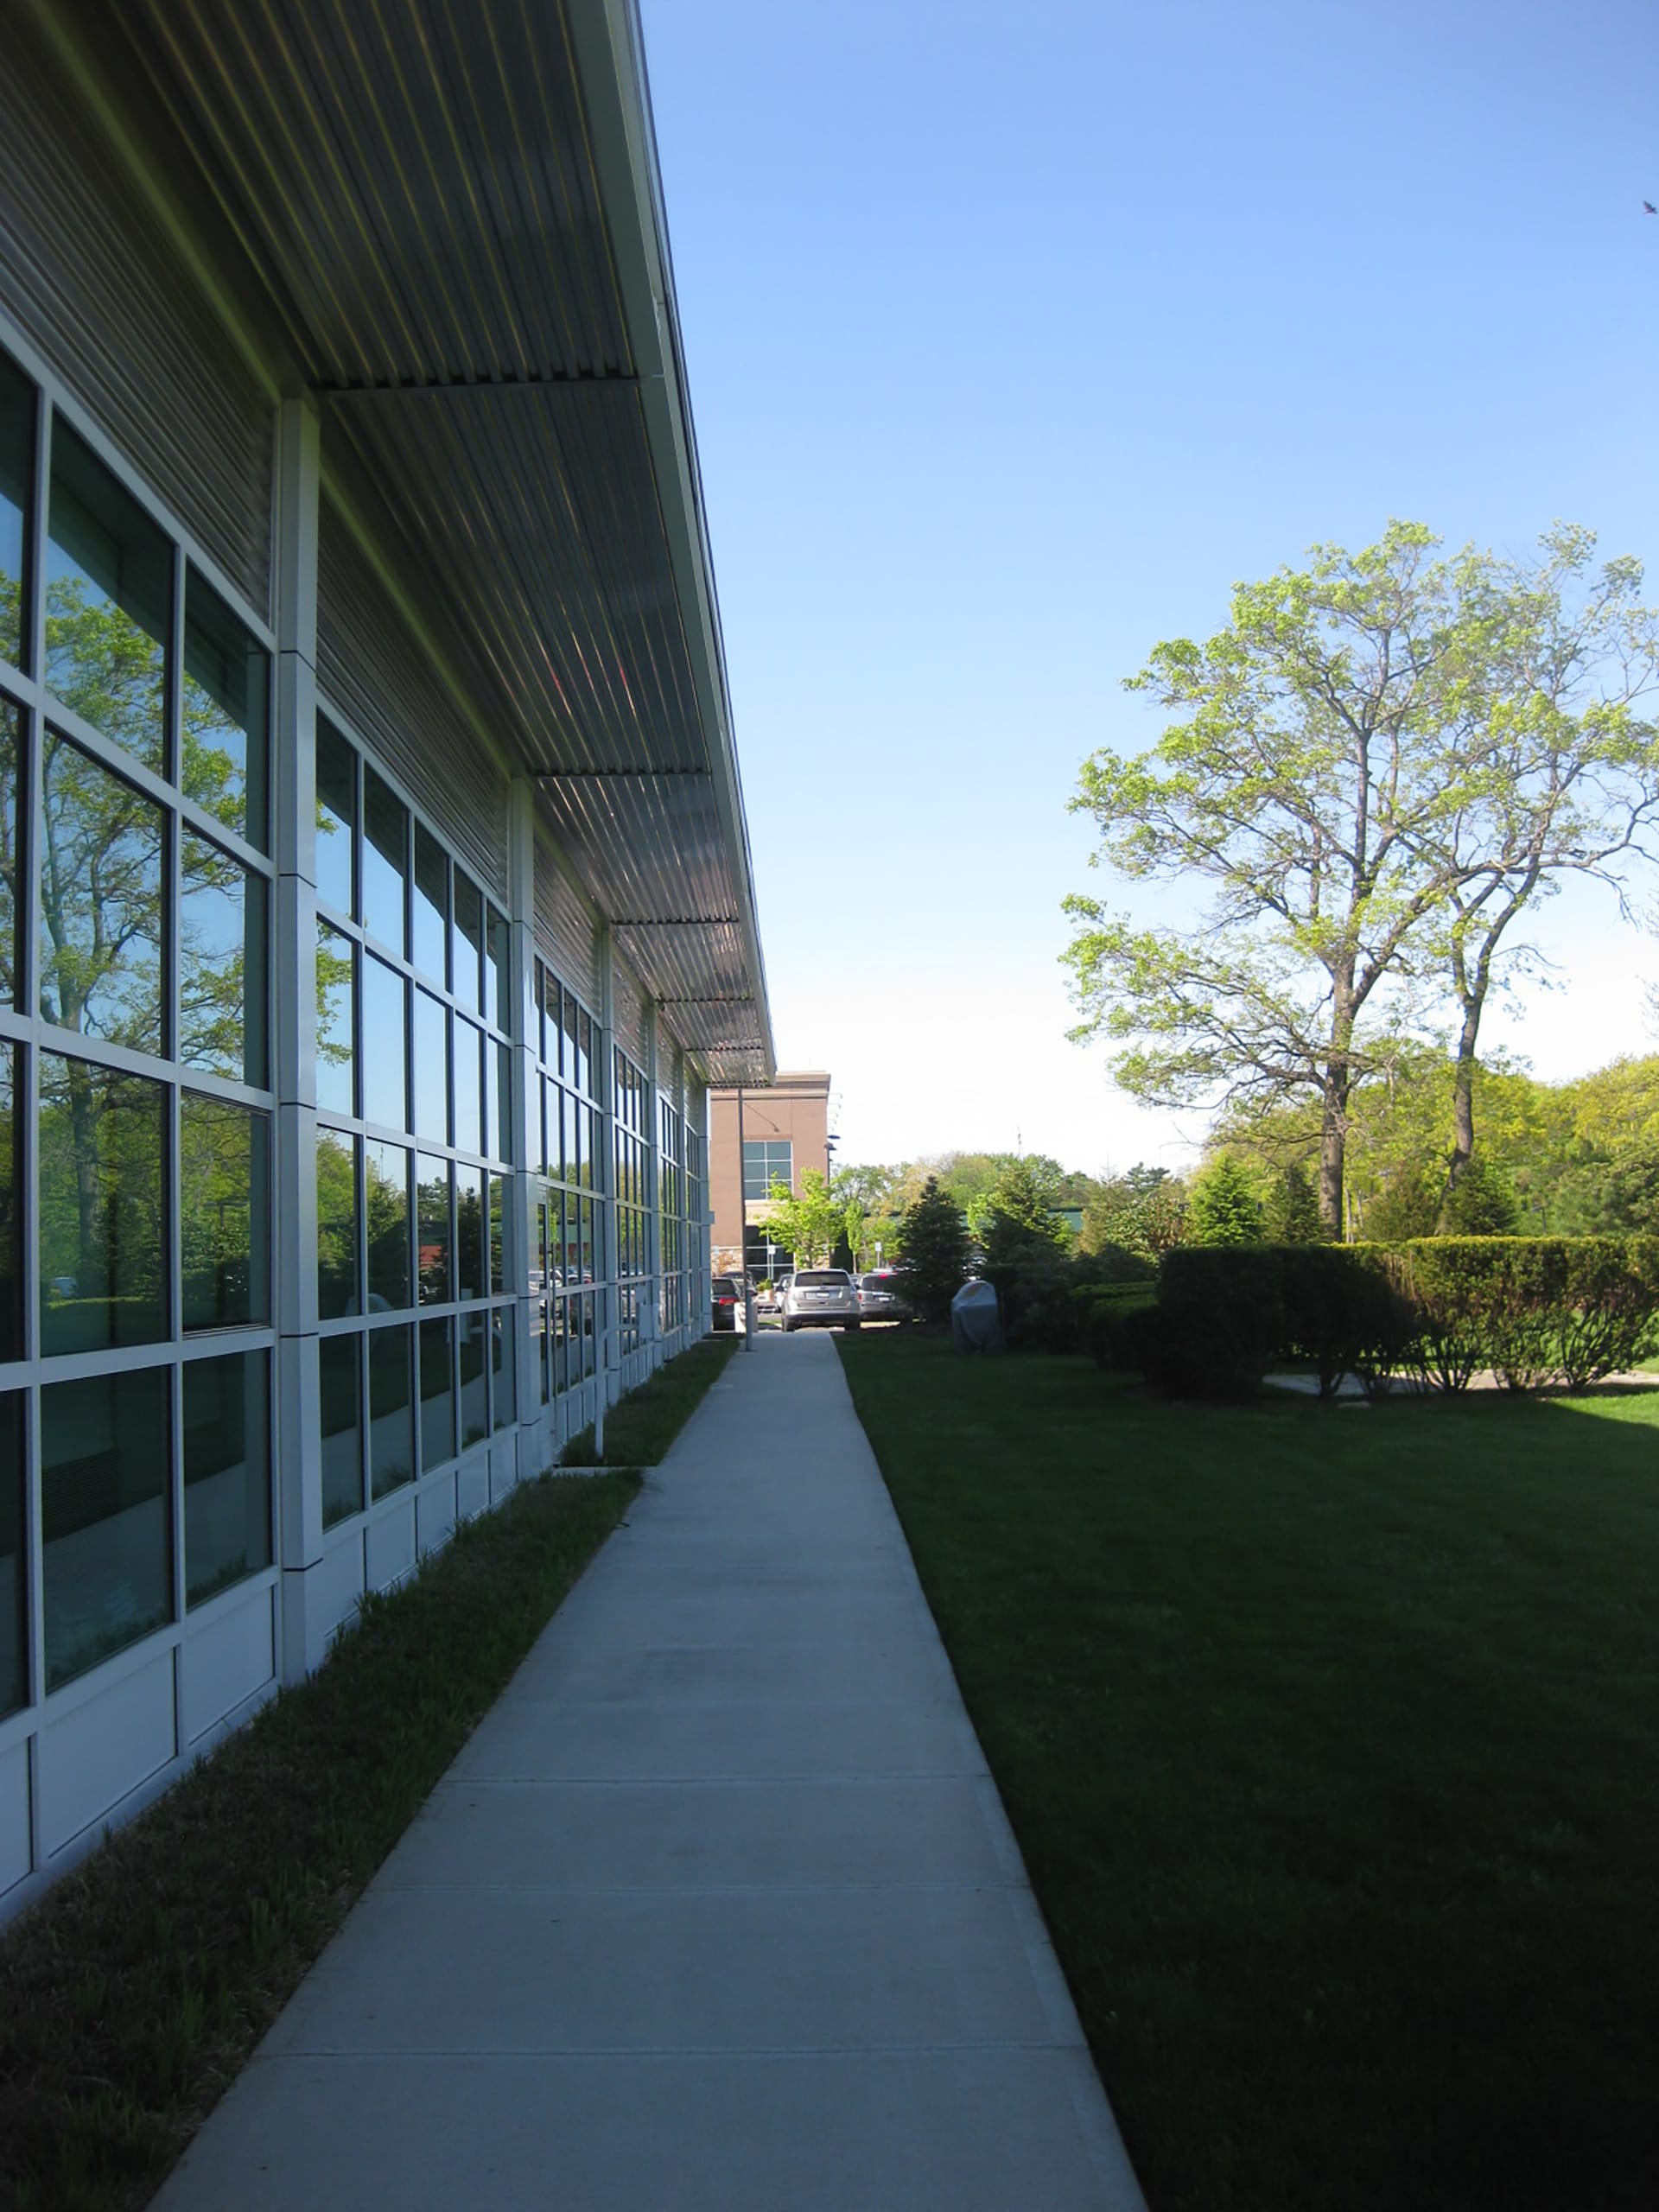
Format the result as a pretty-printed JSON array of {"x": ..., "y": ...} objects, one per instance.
[
  {"x": 134, "y": 1993},
  {"x": 639, "y": 1429},
  {"x": 1330, "y": 1739}
]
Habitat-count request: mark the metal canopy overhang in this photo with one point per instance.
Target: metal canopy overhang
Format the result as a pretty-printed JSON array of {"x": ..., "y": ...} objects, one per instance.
[{"x": 449, "y": 222}]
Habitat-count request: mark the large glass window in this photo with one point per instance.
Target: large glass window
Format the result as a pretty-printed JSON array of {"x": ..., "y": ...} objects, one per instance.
[
  {"x": 11, "y": 1250},
  {"x": 339, "y": 1376},
  {"x": 337, "y": 1291},
  {"x": 336, "y": 820},
  {"x": 385, "y": 862},
  {"x": 12, "y": 778},
  {"x": 432, "y": 1229},
  {"x": 506, "y": 1403},
  {"x": 14, "y": 1564},
  {"x": 16, "y": 479},
  {"x": 104, "y": 1216},
  {"x": 430, "y": 949},
  {"x": 392, "y": 1410},
  {"x": 474, "y": 1379},
  {"x": 386, "y": 1201},
  {"x": 105, "y": 1452},
  {"x": 766, "y": 1160},
  {"x": 221, "y": 964},
  {"x": 469, "y": 1123},
  {"x": 224, "y": 1213},
  {"x": 472, "y": 1257},
  {"x": 467, "y": 942},
  {"x": 226, "y": 713},
  {"x": 226, "y": 1471},
  {"x": 103, "y": 917},
  {"x": 385, "y": 1045},
  {"x": 109, "y": 593},
  {"x": 431, "y": 1068},
  {"x": 336, "y": 1021},
  {"x": 437, "y": 1393}
]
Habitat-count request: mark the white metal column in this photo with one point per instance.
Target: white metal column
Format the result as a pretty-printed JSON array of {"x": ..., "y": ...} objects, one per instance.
[{"x": 299, "y": 1426}]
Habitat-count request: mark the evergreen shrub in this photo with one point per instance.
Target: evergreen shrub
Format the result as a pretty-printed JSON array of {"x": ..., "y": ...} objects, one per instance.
[{"x": 1218, "y": 1325}]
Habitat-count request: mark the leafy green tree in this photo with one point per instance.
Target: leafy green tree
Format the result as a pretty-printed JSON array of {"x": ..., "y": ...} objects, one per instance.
[
  {"x": 1614, "y": 1197},
  {"x": 1291, "y": 1209},
  {"x": 1143, "y": 1211},
  {"x": 1481, "y": 1203},
  {"x": 1224, "y": 1205},
  {"x": 1017, "y": 1221},
  {"x": 1329, "y": 743},
  {"x": 935, "y": 1252},
  {"x": 809, "y": 1225}
]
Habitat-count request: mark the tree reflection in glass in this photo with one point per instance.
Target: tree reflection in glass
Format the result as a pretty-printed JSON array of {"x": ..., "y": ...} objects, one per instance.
[
  {"x": 504, "y": 1404},
  {"x": 11, "y": 1255},
  {"x": 226, "y": 710},
  {"x": 12, "y": 769},
  {"x": 437, "y": 1393},
  {"x": 340, "y": 1391},
  {"x": 16, "y": 477},
  {"x": 470, "y": 1254},
  {"x": 102, "y": 916},
  {"x": 474, "y": 1378},
  {"x": 13, "y": 1617},
  {"x": 104, "y": 1459},
  {"x": 385, "y": 1185},
  {"x": 432, "y": 1229},
  {"x": 109, "y": 590},
  {"x": 222, "y": 909},
  {"x": 336, "y": 1021},
  {"x": 226, "y": 1471},
  {"x": 336, "y": 1225},
  {"x": 224, "y": 1213},
  {"x": 103, "y": 1225},
  {"x": 391, "y": 1411}
]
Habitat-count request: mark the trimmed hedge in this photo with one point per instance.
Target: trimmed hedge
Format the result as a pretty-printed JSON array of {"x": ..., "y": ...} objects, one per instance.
[{"x": 1532, "y": 1309}]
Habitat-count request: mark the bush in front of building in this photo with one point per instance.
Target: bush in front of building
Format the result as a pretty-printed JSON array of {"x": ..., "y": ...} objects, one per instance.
[{"x": 936, "y": 1261}]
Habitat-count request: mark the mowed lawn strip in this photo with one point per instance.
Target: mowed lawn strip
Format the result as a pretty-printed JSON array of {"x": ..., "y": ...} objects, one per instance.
[
  {"x": 639, "y": 1430},
  {"x": 133, "y": 1994},
  {"x": 1331, "y": 1739}
]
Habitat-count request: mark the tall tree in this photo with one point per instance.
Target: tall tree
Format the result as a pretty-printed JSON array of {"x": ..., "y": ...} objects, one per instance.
[
  {"x": 1017, "y": 1221},
  {"x": 935, "y": 1252},
  {"x": 1329, "y": 742}
]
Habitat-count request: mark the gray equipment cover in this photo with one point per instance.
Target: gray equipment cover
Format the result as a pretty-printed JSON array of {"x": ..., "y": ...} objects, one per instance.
[{"x": 976, "y": 1324}]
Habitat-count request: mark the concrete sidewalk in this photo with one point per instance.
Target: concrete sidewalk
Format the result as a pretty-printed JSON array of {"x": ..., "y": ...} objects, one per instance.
[{"x": 718, "y": 1911}]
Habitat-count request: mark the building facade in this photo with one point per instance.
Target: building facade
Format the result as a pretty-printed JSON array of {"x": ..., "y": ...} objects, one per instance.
[
  {"x": 376, "y": 907},
  {"x": 757, "y": 1137}
]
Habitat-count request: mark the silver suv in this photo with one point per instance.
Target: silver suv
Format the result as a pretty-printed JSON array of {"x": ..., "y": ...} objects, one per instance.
[
  {"x": 821, "y": 1298},
  {"x": 880, "y": 1297}
]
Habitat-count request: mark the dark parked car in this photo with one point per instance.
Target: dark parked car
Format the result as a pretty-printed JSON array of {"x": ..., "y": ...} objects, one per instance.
[
  {"x": 880, "y": 1297},
  {"x": 728, "y": 1302}
]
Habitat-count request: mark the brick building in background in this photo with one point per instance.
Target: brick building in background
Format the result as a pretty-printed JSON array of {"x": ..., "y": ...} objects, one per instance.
[{"x": 784, "y": 1129}]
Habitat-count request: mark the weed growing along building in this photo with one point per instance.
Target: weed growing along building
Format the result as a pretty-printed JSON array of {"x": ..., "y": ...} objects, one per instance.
[{"x": 375, "y": 899}]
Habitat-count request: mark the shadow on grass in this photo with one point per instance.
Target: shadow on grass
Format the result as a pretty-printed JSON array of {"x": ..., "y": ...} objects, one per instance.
[{"x": 1331, "y": 1740}]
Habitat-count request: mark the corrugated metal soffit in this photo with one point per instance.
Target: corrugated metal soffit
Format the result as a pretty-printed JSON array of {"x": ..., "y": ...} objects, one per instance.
[
  {"x": 565, "y": 931},
  {"x": 374, "y": 669},
  {"x": 628, "y": 1012},
  {"x": 89, "y": 275}
]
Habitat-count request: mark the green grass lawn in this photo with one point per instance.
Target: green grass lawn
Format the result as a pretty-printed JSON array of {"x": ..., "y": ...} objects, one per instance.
[
  {"x": 639, "y": 1429},
  {"x": 1331, "y": 1738}
]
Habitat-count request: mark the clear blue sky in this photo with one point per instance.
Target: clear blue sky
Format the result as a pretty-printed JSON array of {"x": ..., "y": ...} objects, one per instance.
[{"x": 1016, "y": 334}]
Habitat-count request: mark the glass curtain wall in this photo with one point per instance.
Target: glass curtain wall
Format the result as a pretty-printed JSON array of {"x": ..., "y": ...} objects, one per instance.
[
  {"x": 569, "y": 1200},
  {"x": 671, "y": 1240},
  {"x": 630, "y": 1095},
  {"x": 136, "y": 1085},
  {"x": 414, "y": 1142}
]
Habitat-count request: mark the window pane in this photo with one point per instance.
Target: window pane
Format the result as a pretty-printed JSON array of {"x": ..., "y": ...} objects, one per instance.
[
  {"x": 11, "y": 1249},
  {"x": 504, "y": 1405},
  {"x": 101, "y": 911},
  {"x": 16, "y": 476},
  {"x": 103, "y": 1217},
  {"x": 391, "y": 1410},
  {"x": 104, "y": 1457},
  {"x": 553, "y": 1112},
  {"x": 14, "y": 1577},
  {"x": 336, "y": 1225},
  {"x": 571, "y": 1055},
  {"x": 386, "y": 862},
  {"x": 109, "y": 589},
  {"x": 432, "y": 1229},
  {"x": 468, "y": 941},
  {"x": 336, "y": 1021},
  {"x": 341, "y": 1399},
  {"x": 538, "y": 1347},
  {"x": 226, "y": 1471},
  {"x": 498, "y": 1248},
  {"x": 226, "y": 710},
  {"x": 12, "y": 738},
  {"x": 470, "y": 1231},
  {"x": 224, "y": 1213},
  {"x": 474, "y": 1380},
  {"x": 469, "y": 1126},
  {"x": 336, "y": 818},
  {"x": 221, "y": 964},
  {"x": 501, "y": 1094},
  {"x": 431, "y": 906},
  {"x": 386, "y": 1197},
  {"x": 437, "y": 1393},
  {"x": 498, "y": 992},
  {"x": 386, "y": 1079},
  {"x": 431, "y": 1068}
]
